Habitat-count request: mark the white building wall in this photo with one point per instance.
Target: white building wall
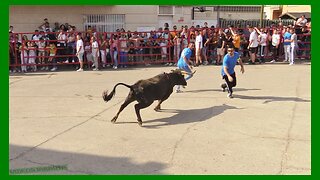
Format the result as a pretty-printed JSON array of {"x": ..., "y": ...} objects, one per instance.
[{"x": 28, "y": 18}]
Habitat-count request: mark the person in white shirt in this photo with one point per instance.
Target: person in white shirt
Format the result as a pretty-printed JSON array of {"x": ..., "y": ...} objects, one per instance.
[
  {"x": 80, "y": 52},
  {"x": 275, "y": 45},
  {"x": 262, "y": 39},
  {"x": 302, "y": 21},
  {"x": 294, "y": 45},
  {"x": 95, "y": 53},
  {"x": 253, "y": 44},
  {"x": 199, "y": 45}
]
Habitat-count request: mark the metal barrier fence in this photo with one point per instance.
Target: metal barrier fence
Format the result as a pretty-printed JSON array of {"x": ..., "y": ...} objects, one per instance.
[
  {"x": 255, "y": 22},
  {"x": 117, "y": 49}
]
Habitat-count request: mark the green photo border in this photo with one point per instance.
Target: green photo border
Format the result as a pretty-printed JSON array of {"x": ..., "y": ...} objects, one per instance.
[{"x": 4, "y": 12}]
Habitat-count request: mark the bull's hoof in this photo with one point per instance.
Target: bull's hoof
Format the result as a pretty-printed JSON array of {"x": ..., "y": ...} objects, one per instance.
[
  {"x": 114, "y": 120},
  {"x": 157, "y": 109},
  {"x": 140, "y": 123}
]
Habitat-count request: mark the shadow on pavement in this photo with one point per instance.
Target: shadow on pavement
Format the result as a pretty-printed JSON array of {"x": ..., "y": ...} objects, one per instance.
[
  {"x": 188, "y": 116},
  {"x": 218, "y": 90},
  {"x": 269, "y": 99},
  {"x": 78, "y": 163}
]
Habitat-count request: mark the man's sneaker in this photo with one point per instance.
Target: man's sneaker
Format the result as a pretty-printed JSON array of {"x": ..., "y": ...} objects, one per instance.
[
  {"x": 95, "y": 69},
  {"x": 115, "y": 67},
  {"x": 54, "y": 69},
  {"x": 223, "y": 86},
  {"x": 80, "y": 70},
  {"x": 229, "y": 95},
  {"x": 178, "y": 91},
  {"x": 273, "y": 61}
]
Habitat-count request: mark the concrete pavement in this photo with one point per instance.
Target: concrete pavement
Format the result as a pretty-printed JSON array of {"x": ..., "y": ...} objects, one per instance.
[{"x": 60, "y": 118}]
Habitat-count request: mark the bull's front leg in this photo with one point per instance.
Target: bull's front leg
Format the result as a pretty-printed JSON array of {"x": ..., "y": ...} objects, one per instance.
[
  {"x": 139, "y": 106},
  {"x": 158, "y": 107}
]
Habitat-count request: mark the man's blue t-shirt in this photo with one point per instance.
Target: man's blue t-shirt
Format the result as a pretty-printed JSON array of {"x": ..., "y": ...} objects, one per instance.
[
  {"x": 230, "y": 63},
  {"x": 286, "y": 35},
  {"x": 185, "y": 53}
]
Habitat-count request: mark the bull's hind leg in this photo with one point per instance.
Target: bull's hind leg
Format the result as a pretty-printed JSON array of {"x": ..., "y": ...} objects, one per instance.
[
  {"x": 139, "y": 106},
  {"x": 128, "y": 100}
]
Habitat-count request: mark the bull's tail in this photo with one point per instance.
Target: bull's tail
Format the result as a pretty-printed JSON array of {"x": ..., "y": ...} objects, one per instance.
[{"x": 107, "y": 97}]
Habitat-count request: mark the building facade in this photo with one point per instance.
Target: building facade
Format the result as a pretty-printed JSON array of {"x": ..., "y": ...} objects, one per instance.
[{"x": 129, "y": 17}]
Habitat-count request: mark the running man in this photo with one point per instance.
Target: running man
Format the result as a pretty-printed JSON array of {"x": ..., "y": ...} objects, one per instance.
[
  {"x": 184, "y": 62},
  {"x": 227, "y": 71}
]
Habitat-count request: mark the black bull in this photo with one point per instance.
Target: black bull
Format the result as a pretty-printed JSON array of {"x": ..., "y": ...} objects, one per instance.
[{"x": 146, "y": 91}]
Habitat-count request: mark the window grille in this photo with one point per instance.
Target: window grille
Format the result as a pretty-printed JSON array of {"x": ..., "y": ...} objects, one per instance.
[
  {"x": 238, "y": 8},
  {"x": 104, "y": 22},
  {"x": 166, "y": 10}
]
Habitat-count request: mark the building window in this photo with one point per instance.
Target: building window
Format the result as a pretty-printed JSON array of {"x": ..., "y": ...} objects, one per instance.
[
  {"x": 178, "y": 10},
  {"x": 104, "y": 22},
  {"x": 166, "y": 10}
]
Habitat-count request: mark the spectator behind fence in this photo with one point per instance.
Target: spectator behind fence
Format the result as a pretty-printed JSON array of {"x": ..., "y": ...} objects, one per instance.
[
  {"x": 114, "y": 50},
  {"x": 80, "y": 52},
  {"x": 102, "y": 48},
  {"x": 42, "y": 52},
  {"x": 88, "y": 53},
  {"x": 52, "y": 50},
  {"x": 293, "y": 45},
  {"x": 262, "y": 39},
  {"x": 95, "y": 53},
  {"x": 56, "y": 27},
  {"x": 198, "y": 46},
  {"x": 123, "y": 53},
  {"x": 275, "y": 45},
  {"x": 205, "y": 41},
  {"x": 253, "y": 44},
  {"x": 32, "y": 55},
  {"x": 61, "y": 45},
  {"x": 11, "y": 29},
  {"x": 302, "y": 21},
  {"x": 220, "y": 46},
  {"x": 236, "y": 39},
  {"x": 24, "y": 53},
  {"x": 287, "y": 45},
  {"x": 71, "y": 44}
]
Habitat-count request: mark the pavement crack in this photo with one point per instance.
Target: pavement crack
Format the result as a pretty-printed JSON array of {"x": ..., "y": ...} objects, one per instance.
[
  {"x": 288, "y": 138},
  {"x": 178, "y": 142}
]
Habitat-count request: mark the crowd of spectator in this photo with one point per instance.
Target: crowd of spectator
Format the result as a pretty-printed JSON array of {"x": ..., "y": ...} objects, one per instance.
[{"x": 50, "y": 46}]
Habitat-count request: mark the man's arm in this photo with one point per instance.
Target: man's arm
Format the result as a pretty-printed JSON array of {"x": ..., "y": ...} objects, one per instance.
[{"x": 241, "y": 64}]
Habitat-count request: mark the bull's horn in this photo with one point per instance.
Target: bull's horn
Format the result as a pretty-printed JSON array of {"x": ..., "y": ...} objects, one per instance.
[{"x": 184, "y": 72}]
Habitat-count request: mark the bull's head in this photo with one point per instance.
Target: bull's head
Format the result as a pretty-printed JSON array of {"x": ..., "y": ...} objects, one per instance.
[{"x": 177, "y": 77}]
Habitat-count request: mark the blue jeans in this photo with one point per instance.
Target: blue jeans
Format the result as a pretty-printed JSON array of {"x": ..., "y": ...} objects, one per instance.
[
  {"x": 114, "y": 54},
  {"x": 188, "y": 70},
  {"x": 123, "y": 58}
]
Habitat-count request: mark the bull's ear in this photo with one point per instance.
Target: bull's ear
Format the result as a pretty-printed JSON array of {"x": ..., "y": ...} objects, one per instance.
[{"x": 176, "y": 70}]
